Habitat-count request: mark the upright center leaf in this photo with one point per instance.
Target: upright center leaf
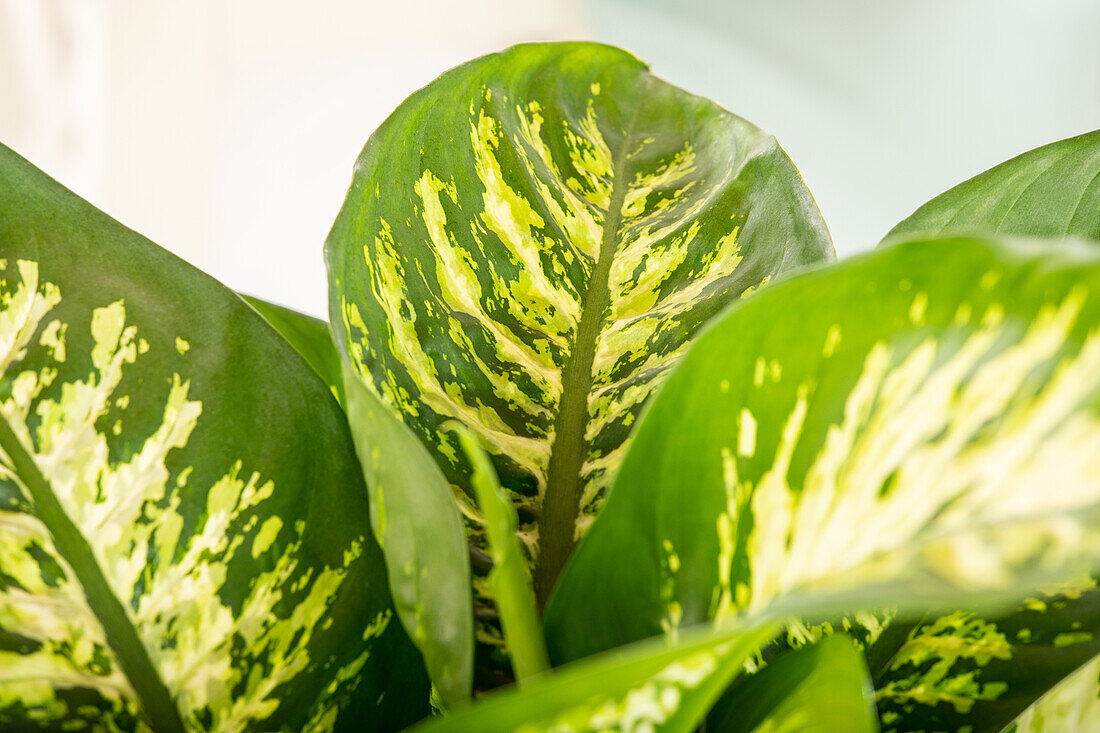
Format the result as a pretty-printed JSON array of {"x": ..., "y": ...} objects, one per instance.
[{"x": 529, "y": 245}]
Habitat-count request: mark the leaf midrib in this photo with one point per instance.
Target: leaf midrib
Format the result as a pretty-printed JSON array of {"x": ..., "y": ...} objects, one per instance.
[
  {"x": 133, "y": 658},
  {"x": 561, "y": 506}
]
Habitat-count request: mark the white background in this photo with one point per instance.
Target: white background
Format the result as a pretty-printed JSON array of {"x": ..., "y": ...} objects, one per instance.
[{"x": 225, "y": 130}]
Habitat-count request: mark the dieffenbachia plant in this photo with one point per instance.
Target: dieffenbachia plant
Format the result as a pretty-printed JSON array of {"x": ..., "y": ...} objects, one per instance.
[{"x": 596, "y": 420}]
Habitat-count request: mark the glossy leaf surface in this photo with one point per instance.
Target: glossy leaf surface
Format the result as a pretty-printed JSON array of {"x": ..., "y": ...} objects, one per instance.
[
  {"x": 529, "y": 244},
  {"x": 823, "y": 687},
  {"x": 184, "y": 539},
  {"x": 863, "y": 421},
  {"x": 1052, "y": 191}
]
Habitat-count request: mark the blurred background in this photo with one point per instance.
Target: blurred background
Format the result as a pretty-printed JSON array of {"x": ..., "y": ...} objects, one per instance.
[{"x": 226, "y": 130}]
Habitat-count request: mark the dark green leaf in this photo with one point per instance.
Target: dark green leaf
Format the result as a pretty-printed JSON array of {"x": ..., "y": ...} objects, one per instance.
[
  {"x": 529, "y": 244},
  {"x": 1074, "y": 705},
  {"x": 184, "y": 537},
  {"x": 310, "y": 336}
]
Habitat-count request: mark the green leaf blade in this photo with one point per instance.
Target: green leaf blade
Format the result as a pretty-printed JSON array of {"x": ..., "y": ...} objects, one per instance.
[
  {"x": 412, "y": 516},
  {"x": 510, "y": 582},
  {"x": 310, "y": 337},
  {"x": 1052, "y": 191},
  {"x": 154, "y": 501},
  {"x": 649, "y": 685}
]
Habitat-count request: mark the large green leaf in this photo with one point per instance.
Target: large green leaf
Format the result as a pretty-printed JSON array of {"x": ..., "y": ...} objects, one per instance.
[
  {"x": 644, "y": 687},
  {"x": 1052, "y": 191},
  {"x": 528, "y": 246},
  {"x": 184, "y": 538},
  {"x": 927, "y": 411},
  {"x": 822, "y": 687}
]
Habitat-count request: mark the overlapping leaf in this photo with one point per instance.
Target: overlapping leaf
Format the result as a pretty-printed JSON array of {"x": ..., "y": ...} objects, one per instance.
[
  {"x": 645, "y": 687},
  {"x": 965, "y": 670},
  {"x": 310, "y": 337},
  {"x": 429, "y": 571},
  {"x": 810, "y": 441},
  {"x": 1051, "y": 191},
  {"x": 529, "y": 245},
  {"x": 420, "y": 532},
  {"x": 183, "y": 524}
]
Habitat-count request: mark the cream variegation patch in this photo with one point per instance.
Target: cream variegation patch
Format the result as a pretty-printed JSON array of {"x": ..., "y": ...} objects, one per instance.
[
  {"x": 128, "y": 511},
  {"x": 933, "y": 442}
]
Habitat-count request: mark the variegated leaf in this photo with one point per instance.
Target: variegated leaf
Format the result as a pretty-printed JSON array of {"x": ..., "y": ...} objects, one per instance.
[
  {"x": 1052, "y": 191},
  {"x": 953, "y": 682},
  {"x": 644, "y": 687},
  {"x": 926, "y": 412},
  {"x": 184, "y": 537},
  {"x": 967, "y": 671},
  {"x": 529, "y": 245},
  {"x": 429, "y": 572}
]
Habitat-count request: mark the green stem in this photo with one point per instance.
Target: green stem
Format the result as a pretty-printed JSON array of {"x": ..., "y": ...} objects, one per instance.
[{"x": 133, "y": 657}]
